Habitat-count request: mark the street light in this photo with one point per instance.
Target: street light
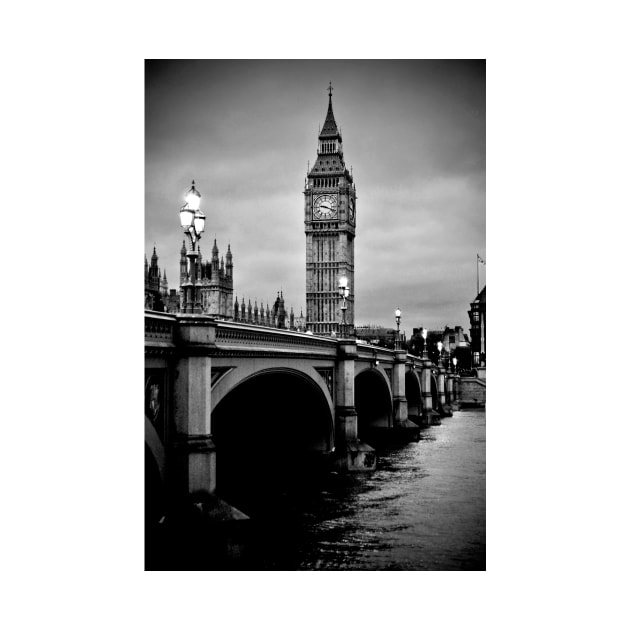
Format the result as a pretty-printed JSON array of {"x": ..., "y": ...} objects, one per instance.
[
  {"x": 455, "y": 364},
  {"x": 440, "y": 345},
  {"x": 425, "y": 352},
  {"x": 344, "y": 292},
  {"x": 397, "y": 314},
  {"x": 193, "y": 222}
]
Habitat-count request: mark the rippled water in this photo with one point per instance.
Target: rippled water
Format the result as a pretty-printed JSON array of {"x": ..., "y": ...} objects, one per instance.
[{"x": 422, "y": 509}]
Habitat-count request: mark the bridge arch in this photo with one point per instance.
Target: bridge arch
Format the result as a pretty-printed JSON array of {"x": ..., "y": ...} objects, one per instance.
[
  {"x": 413, "y": 393},
  {"x": 373, "y": 402},
  {"x": 270, "y": 429}
]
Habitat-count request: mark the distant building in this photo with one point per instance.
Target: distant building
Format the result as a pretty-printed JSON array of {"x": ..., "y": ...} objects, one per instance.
[
  {"x": 454, "y": 338},
  {"x": 454, "y": 341},
  {"x": 378, "y": 335},
  {"x": 274, "y": 317},
  {"x": 153, "y": 285},
  {"x": 477, "y": 315},
  {"x": 215, "y": 281},
  {"x": 172, "y": 301}
]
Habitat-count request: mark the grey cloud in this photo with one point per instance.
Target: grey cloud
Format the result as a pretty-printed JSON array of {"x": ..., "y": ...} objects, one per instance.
[{"x": 414, "y": 132}]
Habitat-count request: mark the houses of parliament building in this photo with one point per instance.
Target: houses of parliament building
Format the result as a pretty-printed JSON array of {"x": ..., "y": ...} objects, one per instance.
[{"x": 215, "y": 280}]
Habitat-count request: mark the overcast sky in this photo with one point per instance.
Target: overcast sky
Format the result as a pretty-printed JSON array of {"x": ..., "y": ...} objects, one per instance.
[{"x": 413, "y": 131}]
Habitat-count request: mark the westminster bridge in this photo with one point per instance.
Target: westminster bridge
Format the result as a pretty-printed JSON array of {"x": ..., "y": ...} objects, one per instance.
[{"x": 229, "y": 403}]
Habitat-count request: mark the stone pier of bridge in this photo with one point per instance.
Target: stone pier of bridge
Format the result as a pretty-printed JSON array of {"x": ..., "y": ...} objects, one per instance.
[{"x": 351, "y": 454}]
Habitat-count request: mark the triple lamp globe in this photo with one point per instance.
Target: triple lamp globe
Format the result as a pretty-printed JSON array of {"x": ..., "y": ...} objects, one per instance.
[{"x": 192, "y": 219}]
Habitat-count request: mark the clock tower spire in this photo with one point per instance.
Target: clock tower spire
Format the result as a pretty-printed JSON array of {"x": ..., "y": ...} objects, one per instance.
[{"x": 330, "y": 227}]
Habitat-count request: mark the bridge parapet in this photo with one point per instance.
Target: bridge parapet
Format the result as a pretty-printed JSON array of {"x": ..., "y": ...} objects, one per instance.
[
  {"x": 367, "y": 352},
  {"x": 159, "y": 333},
  {"x": 236, "y": 336},
  {"x": 414, "y": 363}
]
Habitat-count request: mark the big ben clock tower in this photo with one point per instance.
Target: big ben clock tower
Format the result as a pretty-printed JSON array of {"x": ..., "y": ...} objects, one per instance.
[{"x": 330, "y": 226}]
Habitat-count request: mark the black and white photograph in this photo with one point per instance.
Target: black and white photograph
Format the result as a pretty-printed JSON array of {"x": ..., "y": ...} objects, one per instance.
[
  {"x": 318, "y": 194},
  {"x": 315, "y": 315}
]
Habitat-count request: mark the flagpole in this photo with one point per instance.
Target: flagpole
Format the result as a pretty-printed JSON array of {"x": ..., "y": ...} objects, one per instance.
[{"x": 477, "y": 275}]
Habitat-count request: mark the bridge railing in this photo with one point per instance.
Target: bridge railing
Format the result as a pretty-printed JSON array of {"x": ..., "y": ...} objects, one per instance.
[
  {"x": 236, "y": 335},
  {"x": 159, "y": 328},
  {"x": 375, "y": 353}
]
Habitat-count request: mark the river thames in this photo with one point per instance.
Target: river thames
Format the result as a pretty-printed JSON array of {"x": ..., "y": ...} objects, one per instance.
[{"x": 424, "y": 509}]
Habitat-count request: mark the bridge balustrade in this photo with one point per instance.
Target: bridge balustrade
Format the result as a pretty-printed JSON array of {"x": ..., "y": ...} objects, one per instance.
[
  {"x": 233, "y": 334},
  {"x": 158, "y": 328}
]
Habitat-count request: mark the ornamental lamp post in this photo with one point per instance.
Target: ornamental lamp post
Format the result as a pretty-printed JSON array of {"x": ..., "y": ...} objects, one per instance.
[
  {"x": 425, "y": 352},
  {"x": 193, "y": 222},
  {"x": 455, "y": 364},
  {"x": 440, "y": 345},
  {"x": 344, "y": 292},
  {"x": 397, "y": 314}
]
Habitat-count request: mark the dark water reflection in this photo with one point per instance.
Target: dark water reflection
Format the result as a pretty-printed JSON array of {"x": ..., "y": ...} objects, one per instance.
[{"x": 422, "y": 509}]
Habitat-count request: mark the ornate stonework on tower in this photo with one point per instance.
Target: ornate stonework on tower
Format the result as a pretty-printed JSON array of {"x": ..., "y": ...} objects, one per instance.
[
  {"x": 216, "y": 281},
  {"x": 330, "y": 226}
]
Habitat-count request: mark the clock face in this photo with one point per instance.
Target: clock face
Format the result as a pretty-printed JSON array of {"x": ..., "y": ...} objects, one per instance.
[
  {"x": 351, "y": 210},
  {"x": 325, "y": 207}
]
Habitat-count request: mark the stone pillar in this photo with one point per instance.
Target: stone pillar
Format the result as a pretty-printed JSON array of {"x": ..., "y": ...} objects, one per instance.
[
  {"x": 443, "y": 407},
  {"x": 194, "y": 449},
  {"x": 350, "y": 453},
  {"x": 403, "y": 427},
  {"x": 398, "y": 389},
  {"x": 204, "y": 529},
  {"x": 427, "y": 403},
  {"x": 449, "y": 388},
  {"x": 455, "y": 392}
]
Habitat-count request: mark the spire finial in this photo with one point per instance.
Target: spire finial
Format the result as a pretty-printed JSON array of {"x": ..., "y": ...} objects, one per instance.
[{"x": 330, "y": 90}]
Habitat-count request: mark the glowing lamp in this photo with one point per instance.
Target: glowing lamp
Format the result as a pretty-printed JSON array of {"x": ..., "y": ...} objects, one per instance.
[
  {"x": 193, "y": 198},
  {"x": 344, "y": 291},
  {"x": 199, "y": 222},
  {"x": 186, "y": 217}
]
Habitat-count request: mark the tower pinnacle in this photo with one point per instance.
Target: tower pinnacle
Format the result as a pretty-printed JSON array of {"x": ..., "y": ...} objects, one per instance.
[{"x": 330, "y": 126}]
